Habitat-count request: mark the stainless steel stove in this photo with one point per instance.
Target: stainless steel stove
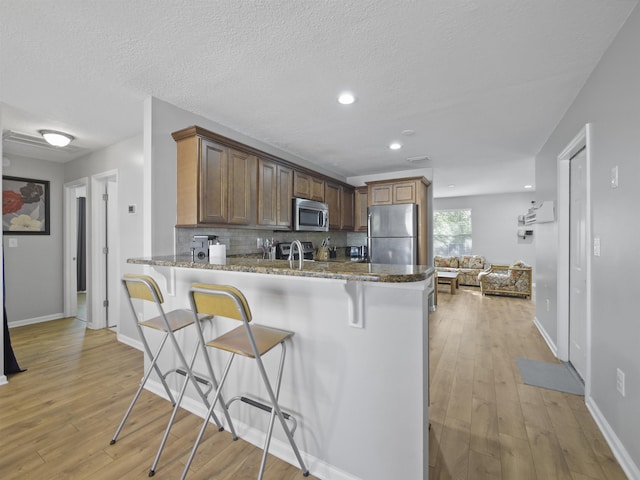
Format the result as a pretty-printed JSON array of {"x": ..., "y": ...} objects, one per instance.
[{"x": 283, "y": 249}]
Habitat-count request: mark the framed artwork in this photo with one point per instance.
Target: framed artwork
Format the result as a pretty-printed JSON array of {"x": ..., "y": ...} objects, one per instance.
[{"x": 25, "y": 206}]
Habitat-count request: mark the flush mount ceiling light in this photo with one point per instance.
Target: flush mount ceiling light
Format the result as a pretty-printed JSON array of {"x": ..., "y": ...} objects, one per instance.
[
  {"x": 55, "y": 138},
  {"x": 395, "y": 146},
  {"x": 346, "y": 98},
  {"x": 528, "y": 186}
]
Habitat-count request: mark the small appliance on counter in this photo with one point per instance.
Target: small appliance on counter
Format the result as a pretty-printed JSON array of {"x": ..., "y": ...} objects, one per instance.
[
  {"x": 357, "y": 254},
  {"x": 283, "y": 249},
  {"x": 200, "y": 247}
]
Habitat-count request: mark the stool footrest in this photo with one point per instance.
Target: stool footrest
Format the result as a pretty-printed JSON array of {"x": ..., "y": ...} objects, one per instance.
[
  {"x": 264, "y": 407},
  {"x": 199, "y": 379}
]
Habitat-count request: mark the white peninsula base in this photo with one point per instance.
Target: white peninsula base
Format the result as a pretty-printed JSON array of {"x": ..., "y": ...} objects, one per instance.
[{"x": 356, "y": 374}]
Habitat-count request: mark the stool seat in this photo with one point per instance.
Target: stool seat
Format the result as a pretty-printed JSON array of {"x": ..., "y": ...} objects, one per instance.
[
  {"x": 177, "y": 320},
  {"x": 237, "y": 341}
]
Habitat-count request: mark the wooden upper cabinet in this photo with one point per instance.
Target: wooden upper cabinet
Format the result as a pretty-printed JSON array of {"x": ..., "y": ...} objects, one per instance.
[
  {"x": 381, "y": 194},
  {"x": 332, "y": 196},
  {"x": 347, "y": 203},
  {"x": 275, "y": 190},
  {"x": 215, "y": 184},
  {"x": 241, "y": 187},
  {"x": 360, "y": 210},
  {"x": 308, "y": 186},
  {"x": 317, "y": 189},
  {"x": 405, "y": 192},
  {"x": 213, "y": 188}
]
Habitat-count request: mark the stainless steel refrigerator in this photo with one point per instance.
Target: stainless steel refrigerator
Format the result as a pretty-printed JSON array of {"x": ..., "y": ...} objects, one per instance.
[{"x": 393, "y": 234}]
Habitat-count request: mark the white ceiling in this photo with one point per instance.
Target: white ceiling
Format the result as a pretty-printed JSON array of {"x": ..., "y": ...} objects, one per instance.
[{"x": 482, "y": 83}]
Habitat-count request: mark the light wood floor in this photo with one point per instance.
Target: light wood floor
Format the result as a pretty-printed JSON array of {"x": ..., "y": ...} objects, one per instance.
[
  {"x": 485, "y": 423},
  {"x": 57, "y": 418}
]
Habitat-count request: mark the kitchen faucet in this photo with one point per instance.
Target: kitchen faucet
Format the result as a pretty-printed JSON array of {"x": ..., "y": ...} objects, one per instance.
[{"x": 297, "y": 243}]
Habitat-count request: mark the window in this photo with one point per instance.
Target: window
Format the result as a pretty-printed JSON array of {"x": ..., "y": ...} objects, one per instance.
[{"x": 452, "y": 232}]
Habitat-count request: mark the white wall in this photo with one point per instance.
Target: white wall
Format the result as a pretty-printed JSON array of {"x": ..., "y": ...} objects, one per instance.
[
  {"x": 494, "y": 223},
  {"x": 610, "y": 102},
  {"x": 34, "y": 267}
]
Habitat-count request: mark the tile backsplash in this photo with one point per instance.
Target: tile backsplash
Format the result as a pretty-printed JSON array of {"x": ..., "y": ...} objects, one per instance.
[{"x": 244, "y": 241}]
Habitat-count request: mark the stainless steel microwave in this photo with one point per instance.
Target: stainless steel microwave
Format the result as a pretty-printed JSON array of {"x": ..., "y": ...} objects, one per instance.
[{"x": 310, "y": 216}]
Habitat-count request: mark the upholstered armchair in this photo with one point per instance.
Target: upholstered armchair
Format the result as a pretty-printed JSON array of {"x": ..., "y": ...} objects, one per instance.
[{"x": 511, "y": 280}]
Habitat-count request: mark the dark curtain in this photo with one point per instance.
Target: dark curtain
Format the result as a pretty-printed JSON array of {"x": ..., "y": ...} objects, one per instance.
[
  {"x": 10, "y": 362},
  {"x": 81, "y": 254}
]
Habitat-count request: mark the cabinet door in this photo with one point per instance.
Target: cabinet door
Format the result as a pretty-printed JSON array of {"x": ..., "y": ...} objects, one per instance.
[
  {"x": 332, "y": 197},
  {"x": 284, "y": 194},
  {"x": 242, "y": 168},
  {"x": 267, "y": 193},
  {"x": 381, "y": 194},
  {"x": 404, "y": 192},
  {"x": 317, "y": 189},
  {"x": 346, "y": 207},
  {"x": 361, "y": 205},
  {"x": 301, "y": 185},
  {"x": 213, "y": 189}
]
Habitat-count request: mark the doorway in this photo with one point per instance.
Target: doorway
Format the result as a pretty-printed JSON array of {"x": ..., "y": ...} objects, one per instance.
[
  {"x": 75, "y": 290},
  {"x": 102, "y": 271},
  {"x": 574, "y": 259}
]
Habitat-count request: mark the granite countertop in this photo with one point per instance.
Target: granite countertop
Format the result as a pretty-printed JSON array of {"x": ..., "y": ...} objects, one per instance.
[{"x": 346, "y": 270}]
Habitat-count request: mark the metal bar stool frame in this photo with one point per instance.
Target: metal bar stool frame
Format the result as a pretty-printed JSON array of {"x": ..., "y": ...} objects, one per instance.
[
  {"x": 144, "y": 287},
  {"x": 229, "y": 302}
]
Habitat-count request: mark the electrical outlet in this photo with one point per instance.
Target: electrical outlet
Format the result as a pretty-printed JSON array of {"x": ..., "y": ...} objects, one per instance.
[
  {"x": 13, "y": 242},
  {"x": 596, "y": 246},
  {"x": 258, "y": 242},
  {"x": 548, "y": 304},
  {"x": 620, "y": 382}
]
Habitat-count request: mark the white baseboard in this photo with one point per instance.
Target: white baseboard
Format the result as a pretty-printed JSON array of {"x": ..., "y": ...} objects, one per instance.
[
  {"x": 622, "y": 455},
  {"x": 3, "y": 380},
  {"x": 318, "y": 468},
  {"x": 547, "y": 338},
  {"x": 132, "y": 342},
  {"x": 31, "y": 321}
]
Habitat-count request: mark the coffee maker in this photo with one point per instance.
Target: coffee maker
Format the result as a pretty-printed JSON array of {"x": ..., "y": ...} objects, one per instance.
[{"x": 200, "y": 247}]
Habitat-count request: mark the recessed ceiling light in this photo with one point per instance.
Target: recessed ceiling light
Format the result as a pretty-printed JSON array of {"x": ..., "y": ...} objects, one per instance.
[
  {"x": 346, "y": 98},
  {"x": 408, "y": 133},
  {"x": 528, "y": 186},
  {"x": 57, "y": 139},
  {"x": 452, "y": 185},
  {"x": 395, "y": 146}
]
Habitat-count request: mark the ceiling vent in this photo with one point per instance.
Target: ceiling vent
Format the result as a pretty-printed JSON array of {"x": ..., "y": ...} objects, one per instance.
[
  {"x": 421, "y": 158},
  {"x": 35, "y": 141}
]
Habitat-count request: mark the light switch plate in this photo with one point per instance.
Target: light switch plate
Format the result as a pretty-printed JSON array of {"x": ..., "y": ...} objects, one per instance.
[
  {"x": 614, "y": 177},
  {"x": 596, "y": 246}
]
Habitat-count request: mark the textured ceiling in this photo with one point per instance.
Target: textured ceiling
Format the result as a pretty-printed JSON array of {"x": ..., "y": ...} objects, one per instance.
[{"x": 482, "y": 83}]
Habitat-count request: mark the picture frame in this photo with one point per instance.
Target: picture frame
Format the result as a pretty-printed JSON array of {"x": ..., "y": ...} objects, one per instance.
[{"x": 25, "y": 206}]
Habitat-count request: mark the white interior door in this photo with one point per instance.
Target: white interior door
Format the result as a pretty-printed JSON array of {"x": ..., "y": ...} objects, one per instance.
[{"x": 578, "y": 262}]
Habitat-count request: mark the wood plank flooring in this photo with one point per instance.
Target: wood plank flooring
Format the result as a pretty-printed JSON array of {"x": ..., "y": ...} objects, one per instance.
[
  {"x": 487, "y": 424},
  {"x": 57, "y": 418}
]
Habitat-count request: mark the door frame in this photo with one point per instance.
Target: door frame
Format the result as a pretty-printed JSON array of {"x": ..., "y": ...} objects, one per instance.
[
  {"x": 99, "y": 266},
  {"x": 582, "y": 140},
  {"x": 69, "y": 275}
]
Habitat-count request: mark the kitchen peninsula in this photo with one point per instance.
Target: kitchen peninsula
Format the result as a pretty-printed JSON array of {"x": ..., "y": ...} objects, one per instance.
[{"x": 356, "y": 374}]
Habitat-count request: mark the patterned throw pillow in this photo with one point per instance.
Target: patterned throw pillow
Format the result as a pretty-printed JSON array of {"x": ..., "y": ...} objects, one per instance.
[
  {"x": 445, "y": 262},
  {"x": 515, "y": 274},
  {"x": 476, "y": 262},
  {"x": 464, "y": 261}
]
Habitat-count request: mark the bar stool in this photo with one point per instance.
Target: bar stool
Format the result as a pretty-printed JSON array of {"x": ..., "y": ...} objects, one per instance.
[
  {"x": 144, "y": 288},
  {"x": 251, "y": 341}
]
